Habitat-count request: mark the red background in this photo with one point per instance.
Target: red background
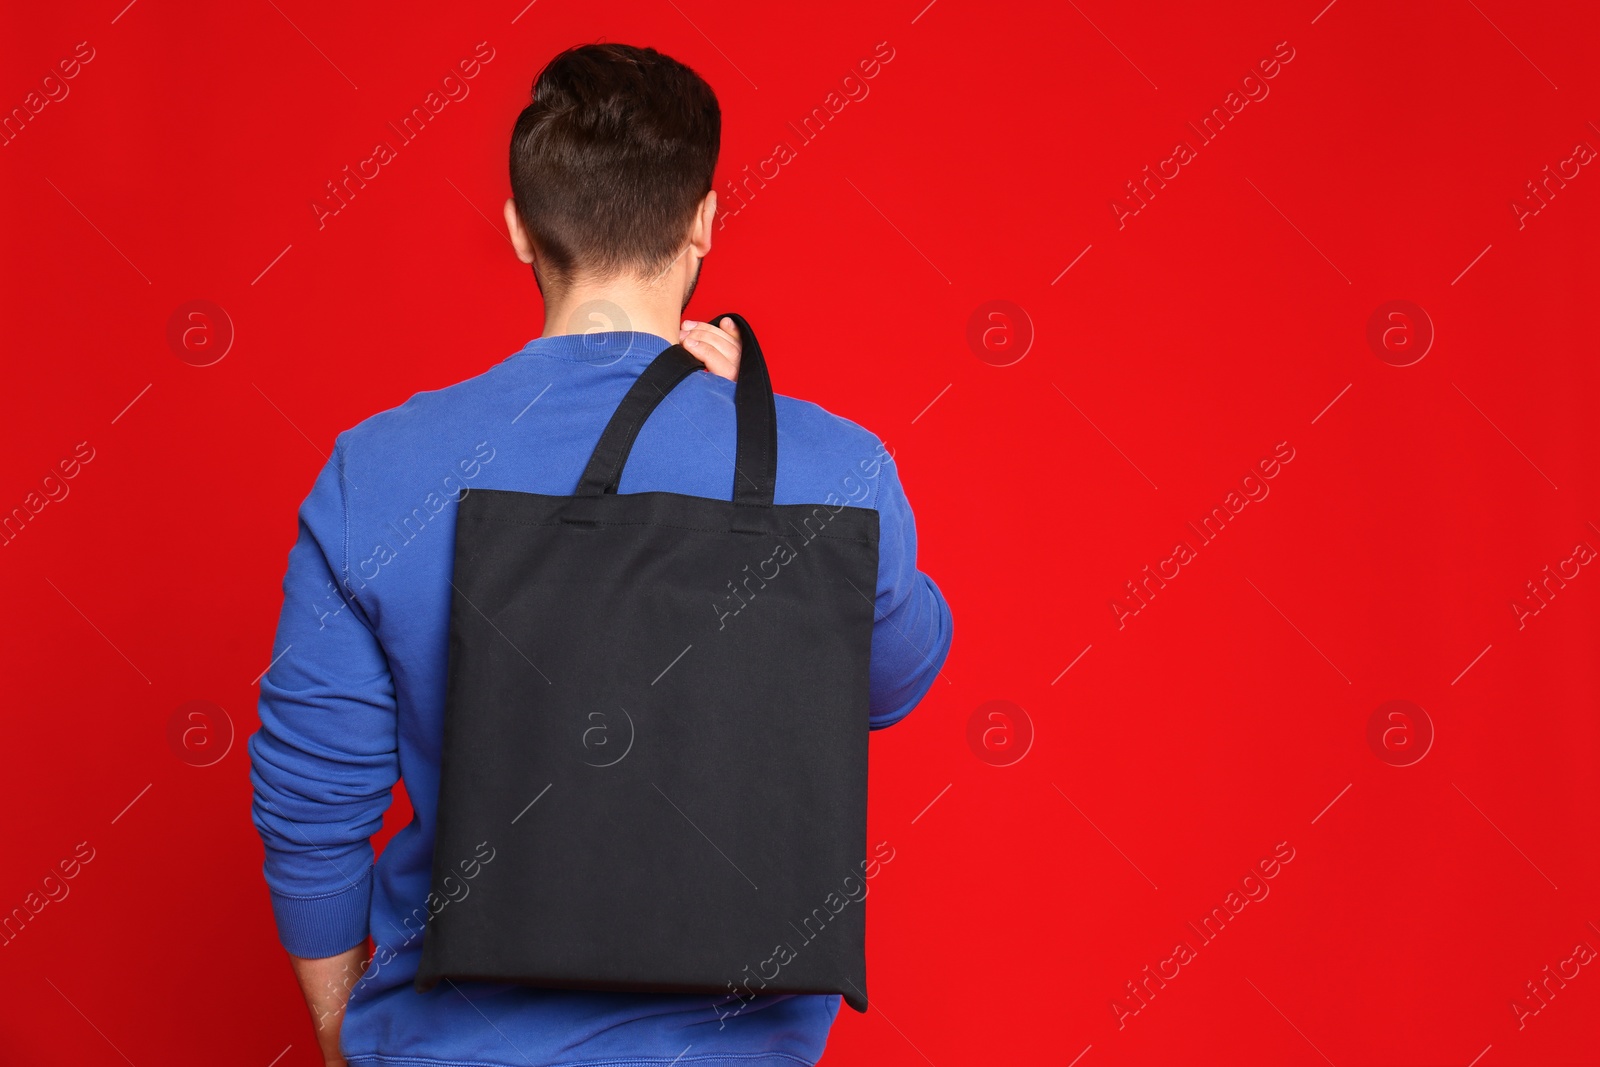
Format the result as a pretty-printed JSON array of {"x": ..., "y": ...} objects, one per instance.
[{"x": 1223, "y": 318}]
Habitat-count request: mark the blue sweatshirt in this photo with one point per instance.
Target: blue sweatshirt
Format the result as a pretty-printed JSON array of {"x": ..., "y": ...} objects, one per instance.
[{"x": 355, "y": 696}]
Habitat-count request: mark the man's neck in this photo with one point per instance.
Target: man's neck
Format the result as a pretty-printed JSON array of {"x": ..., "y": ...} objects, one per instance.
[{"x": 616, "y": 305}]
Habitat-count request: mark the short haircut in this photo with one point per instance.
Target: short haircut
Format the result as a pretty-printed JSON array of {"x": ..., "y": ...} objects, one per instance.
[{"x": 610, "y": 160}]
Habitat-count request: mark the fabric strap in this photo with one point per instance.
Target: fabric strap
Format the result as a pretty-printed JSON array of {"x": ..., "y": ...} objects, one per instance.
[{"x": 756, "y": 461}]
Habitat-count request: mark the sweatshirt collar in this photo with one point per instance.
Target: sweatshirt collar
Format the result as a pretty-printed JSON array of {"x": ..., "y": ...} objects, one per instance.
[{"x": 600, "y": 347}]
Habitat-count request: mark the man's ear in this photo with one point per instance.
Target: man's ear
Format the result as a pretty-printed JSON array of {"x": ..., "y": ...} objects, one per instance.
[
  {"x": 519, "y": 234},
  {"x": 700, "y": 232}
]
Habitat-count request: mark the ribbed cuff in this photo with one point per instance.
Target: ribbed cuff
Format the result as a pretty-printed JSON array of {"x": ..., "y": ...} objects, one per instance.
[{"x": 318, "y": 927}]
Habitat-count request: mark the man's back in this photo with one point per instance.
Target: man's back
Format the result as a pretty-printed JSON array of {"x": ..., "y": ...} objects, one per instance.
[{"x": 356, "y": 695}]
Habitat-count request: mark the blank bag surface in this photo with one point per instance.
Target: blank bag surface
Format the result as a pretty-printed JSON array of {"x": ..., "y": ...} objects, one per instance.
[{"x": 656, "y": 726}]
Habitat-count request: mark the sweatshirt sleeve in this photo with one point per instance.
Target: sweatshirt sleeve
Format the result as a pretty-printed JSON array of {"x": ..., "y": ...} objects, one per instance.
[
  {"x": 326, "y": 757},
  {"x": 912, "y": 632}
]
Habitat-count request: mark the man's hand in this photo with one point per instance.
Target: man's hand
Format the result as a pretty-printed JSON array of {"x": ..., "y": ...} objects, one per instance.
[
  {"x": 326, "y": 984},
  {"x": 717, "y": 348}
]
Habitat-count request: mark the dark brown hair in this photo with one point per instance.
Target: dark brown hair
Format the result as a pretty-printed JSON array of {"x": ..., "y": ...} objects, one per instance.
[{"x": 611, "y": 158}]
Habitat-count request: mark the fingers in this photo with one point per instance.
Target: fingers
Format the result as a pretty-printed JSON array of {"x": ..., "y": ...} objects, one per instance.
[{"x": 717, "y": 348}]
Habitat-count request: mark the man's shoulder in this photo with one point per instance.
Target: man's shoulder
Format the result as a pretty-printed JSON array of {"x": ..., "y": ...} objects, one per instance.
[
  {"x": 821, "y": 451},
  {"x": 812, "y": 425},
  {"x": 436, "y": 441},
  {"x": 440, "y": 429},
  {"x": 436, "y": 416},
  {"x": 496, "y": 391}
]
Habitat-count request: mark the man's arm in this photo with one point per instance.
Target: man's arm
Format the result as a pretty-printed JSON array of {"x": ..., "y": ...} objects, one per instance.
[
  {"x": 324, "y": 761},
  {"x": 326, "y": 985},
  {"x": 913, "y": 628}
]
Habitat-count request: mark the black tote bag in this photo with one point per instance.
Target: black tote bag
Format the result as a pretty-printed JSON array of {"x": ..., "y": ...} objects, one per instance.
[{"x": 656, "y": 729}]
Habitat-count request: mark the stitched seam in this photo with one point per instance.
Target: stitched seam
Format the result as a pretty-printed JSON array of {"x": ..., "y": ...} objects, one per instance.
[
  {"x": 348, "y": 590},
  {"x": 877, "y": 483},
  {"x": 670, "y": 526},
  {"x": 655, "y": 1062},
  {"x": 344, "y": 508},
  {"x": 356, "y": 888},
  {"x": 634, "y": 345},
  {"x": 767, "y": 439}
]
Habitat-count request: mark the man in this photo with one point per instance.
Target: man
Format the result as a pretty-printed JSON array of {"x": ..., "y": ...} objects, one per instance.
[{"x": 611, "y": 171}]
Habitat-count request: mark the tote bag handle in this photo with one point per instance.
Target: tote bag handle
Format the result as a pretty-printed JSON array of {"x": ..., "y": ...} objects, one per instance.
[{"x": 755, "y": 473}]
